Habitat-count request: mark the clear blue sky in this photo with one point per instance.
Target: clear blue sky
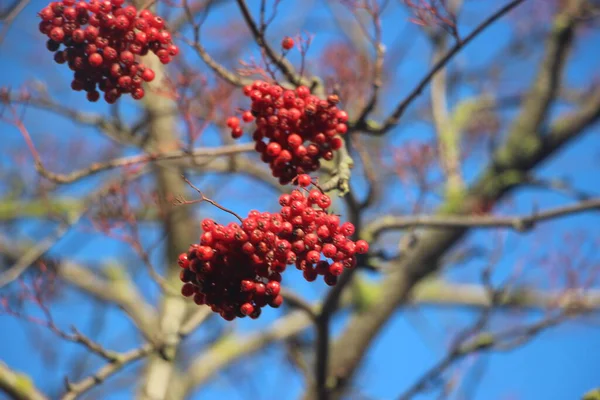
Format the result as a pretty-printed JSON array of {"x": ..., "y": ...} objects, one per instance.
[{"x": 559, "y": 364}]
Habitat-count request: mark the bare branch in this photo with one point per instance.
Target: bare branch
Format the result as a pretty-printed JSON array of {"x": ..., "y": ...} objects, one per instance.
[
  {"x": 363, "y": 125},
  {"x": 18, "y": 386},
  {"x": 75, "y": 389},
  {"x": 282, "y": 64},
  {"x": 180, "y": 155},
  {"x": 520, "y": 224},
  {"x": 37, "y": 251}
]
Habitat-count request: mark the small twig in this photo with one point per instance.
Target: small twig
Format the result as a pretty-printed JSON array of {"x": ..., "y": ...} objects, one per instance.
[
  {"x": 403, "y": 105},
  {"x": 206, "y": 199},
  {"x": 282, "y": 64}
]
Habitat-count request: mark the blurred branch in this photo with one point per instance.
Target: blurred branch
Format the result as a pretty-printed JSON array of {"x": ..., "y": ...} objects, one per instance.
[
  {"x": 483, "y": 341},
  {"x": 112, "y": 129},
  {"x": 9, "y": 14},
  {"x": 217, "y": 68},
  {"x": 392, "y": 120},
  {"x": 173, "y": 309},
  {"x": 143, "y": 158},
  {"x": 37, "y": 251},
  {"x": 520, "y": 224},
  {"x": 18, "y": 386},
  {"x": 118, "y": 289},
  {"x": 75, "y": 389}
]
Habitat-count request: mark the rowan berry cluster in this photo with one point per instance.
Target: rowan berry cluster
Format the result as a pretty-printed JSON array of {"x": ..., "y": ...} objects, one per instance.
[
  {"x": 101, "y": 40},
  {"x": 294, "y": 129},
  {"x": 237, "y": 269},
  {"x": 317, "y": 236}
]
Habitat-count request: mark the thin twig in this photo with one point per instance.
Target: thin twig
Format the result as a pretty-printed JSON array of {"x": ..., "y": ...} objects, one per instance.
[
  {"x": 206, "y": 199},
  {"x": 363, "y": 125}
]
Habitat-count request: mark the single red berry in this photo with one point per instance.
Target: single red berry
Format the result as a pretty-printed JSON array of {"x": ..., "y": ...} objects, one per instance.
[
  {"x": 273, "y": 149},
  {"x": 93, "y": 96},
  {"x": 336, "y": 269},
  {"x": 148, "y": 75},
  {"x": 183, "y": 260},
  {"x": 247, "y": 116},
  {"x": 95, "y": 60},
  {"x": 127, "y": 57},
  {"x": 188, "y": 289},
  {"x": 138, "y": 93},
  {"x": 277, "y": 301},
  {"x": 347, "y": 229},
  {"x": 233, "y": 122},
  {"x": 313, "y": 256},
  {"x": 247, "y": 309},
  {"x": 304, "y": 180},
  {"x": 247, "y": 285},
  {"x": 329, "y": 250},
  {"x": 287, "y": 43},
  {"x": 237, "y": 133},
  {"x": 57, "y": 34},
  {"x": 324, "y": 201},
  {"x": 273, "y": 288},
  {"x": 330, "y": 280},
  {"x": 362, "y": 247}
]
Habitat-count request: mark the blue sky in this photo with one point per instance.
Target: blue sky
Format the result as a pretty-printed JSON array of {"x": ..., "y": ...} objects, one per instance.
[{"x": 559, "y": 364}]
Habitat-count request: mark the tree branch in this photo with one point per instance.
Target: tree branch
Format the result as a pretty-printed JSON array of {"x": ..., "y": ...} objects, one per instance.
[
  {"x": 518, "y": 223},
  {"x": 392, "y": 120},
  {"x": 18, "y": 386}
]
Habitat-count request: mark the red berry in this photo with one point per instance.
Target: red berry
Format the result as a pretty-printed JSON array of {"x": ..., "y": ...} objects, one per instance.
[
  {"x": 362, "y": 247},
  {"x": 183, "y": 260},
  {"x": 247, "y": 309},
  {"x": 95, "y": 60},
  {"x": 188, "y": 289},
  {"x": 247, "y": 116},
  {"x": 57, "y": 34},
  {"x": 148, "y": 75},
  {"x": 233, "y": 122},
  {"x": 138, "y": 93},
  {"x": 336, "y": 269},
  {"x": 324, "y": 201},
  {"x": 304, "y": 180},
  {"x": 273, "y": 288},
  {"x": 273, "y": 149},
  {"x": 237, "y": 132}
]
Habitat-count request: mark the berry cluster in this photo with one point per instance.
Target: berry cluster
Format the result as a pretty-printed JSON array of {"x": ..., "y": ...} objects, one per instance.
[
  {"x": 237, "y": 269},
  {"x": 299, "y": 128},
  {"x": 315, "y": 233},
  {"x": 102, "y": 39}
]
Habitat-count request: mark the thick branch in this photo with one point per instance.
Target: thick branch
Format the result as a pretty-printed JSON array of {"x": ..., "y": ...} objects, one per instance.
[{"x": 18, "y": 386}]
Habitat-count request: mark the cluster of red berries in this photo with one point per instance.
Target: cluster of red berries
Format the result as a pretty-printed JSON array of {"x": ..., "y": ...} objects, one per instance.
[
  {"x": 299, "y": 128},
  {"x": 315, "y": 233},
  {"x": 237, "y": 269},
  {"x": 102, "y": 39}
]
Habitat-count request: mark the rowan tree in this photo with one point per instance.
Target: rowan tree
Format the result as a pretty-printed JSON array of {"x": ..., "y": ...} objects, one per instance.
[{"x": 294, "y": 199}]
